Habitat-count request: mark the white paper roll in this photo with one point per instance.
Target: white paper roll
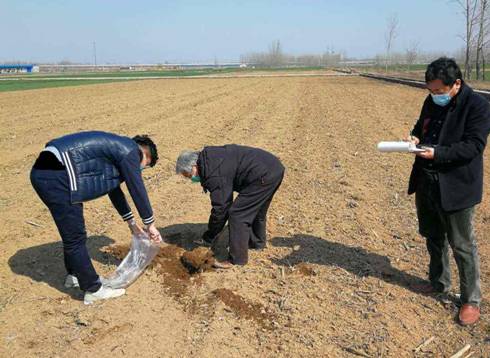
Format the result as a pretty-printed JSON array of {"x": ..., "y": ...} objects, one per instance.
[{"x": 401, "y": 147}]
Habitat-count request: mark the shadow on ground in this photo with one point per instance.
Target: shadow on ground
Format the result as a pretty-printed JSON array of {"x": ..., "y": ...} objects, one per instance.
[
  {"x": 185, "y": 236},
  {"x": 44, "y": 263},
  {"x": 188, "y": 236},
  {"x": 357, "y": 260}
]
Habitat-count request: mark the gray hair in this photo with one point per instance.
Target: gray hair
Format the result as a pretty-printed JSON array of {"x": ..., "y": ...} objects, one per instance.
[{"x": 185, "y": 161}]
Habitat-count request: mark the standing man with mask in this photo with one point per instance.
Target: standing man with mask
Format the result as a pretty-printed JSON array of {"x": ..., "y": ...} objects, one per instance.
[
  {"x": 255, "y": 174},
  {"x": 83, "y": 166},
  {"x": 447, "y": 180}
]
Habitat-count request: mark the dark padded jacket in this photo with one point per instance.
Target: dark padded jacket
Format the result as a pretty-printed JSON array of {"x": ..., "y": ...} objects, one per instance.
[
  {"x": 458, "y": 156},
  {"x": 97, "y": 163},
  {"x": 230, "y": 168}
]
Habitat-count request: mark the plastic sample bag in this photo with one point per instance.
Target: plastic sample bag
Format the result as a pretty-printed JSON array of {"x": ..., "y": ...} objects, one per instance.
[{"x": 142, "y": 252}]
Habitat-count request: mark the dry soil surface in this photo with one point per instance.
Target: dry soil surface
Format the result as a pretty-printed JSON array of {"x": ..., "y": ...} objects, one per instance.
[{"x": 343, "y": 246}]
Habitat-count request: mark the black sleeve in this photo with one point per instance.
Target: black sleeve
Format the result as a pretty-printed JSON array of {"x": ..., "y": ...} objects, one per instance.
[
  {"x": 474, "y": 138},
  {"x": 121, "y": 204},
  {"x": 419, "y": 125},
  {"x": 221, "y": 194},
  {"x": 131, "y": 174}
]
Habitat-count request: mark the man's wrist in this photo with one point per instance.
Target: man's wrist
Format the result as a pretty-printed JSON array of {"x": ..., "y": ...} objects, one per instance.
[
  {"x": 147, "y": 226},
  {"x": 148, "y": 221}
]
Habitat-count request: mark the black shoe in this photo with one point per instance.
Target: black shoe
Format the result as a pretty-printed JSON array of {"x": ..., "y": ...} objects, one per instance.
[
  {"x": 258, "y": 247},
  {"x": 203, "y": 242}
]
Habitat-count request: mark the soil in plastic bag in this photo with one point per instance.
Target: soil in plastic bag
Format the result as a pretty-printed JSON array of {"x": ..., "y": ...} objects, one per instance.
[{"x": 141, "y": 254}]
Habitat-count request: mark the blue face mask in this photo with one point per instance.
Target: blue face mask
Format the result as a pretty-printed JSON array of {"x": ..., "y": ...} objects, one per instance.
[
  {"x": 441, "y": 99},
  {"x": 196, "y": 179}
]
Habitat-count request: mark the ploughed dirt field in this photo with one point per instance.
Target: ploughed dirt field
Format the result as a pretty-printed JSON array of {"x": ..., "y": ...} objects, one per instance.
[{"x": 343, "y": 246}]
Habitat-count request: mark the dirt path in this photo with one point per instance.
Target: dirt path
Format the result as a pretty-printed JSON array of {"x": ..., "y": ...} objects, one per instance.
[{"x": 343, "y": 243}]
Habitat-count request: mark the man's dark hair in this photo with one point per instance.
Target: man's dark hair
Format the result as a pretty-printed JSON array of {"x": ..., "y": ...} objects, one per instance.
[
  {"x": 145, "y": 141},
  {"x": 444, "y": 69}
]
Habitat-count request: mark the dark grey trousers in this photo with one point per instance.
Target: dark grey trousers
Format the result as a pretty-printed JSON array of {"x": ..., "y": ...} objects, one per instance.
[
  {"x": 443, "y": 229},
  {"x": 248, "y": 214}
]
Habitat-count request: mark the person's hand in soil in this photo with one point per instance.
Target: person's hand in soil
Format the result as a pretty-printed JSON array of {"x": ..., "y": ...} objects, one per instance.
[{"x": 153, "y": 233}]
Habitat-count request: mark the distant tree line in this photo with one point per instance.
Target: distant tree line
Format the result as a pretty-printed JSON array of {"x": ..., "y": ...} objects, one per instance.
[{"x": 276, "y": 57}]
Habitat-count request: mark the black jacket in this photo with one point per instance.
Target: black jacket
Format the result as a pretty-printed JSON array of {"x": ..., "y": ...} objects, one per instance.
[
  {"x": 458, "y": 156},
  {"x": 97, "y": 163},
  {"x": 230, "y": 168}
]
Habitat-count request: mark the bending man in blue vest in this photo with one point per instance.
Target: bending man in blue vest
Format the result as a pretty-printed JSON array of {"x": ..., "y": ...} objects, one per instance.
[{"x": 83, "y": 166}]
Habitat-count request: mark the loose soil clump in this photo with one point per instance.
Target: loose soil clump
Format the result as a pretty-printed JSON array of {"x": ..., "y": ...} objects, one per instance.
[
  {"x": 245, "y": 309},
  {"x": 305, "y": 269},
  {"x": 198, "y": 260}
]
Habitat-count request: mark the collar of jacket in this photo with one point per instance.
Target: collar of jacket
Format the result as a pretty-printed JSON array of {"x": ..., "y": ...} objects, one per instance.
[
  {"x": 208, "y": 168},
  {"x": 461, "y": 96},
  {"x": 460, "y": 101}
]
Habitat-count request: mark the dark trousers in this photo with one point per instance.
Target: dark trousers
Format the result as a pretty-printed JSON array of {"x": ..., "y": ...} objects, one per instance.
[
  {"x": 248, "y": 216},
  {"x": 443, "y": 229},
  {"x": 53, "y": 188}
]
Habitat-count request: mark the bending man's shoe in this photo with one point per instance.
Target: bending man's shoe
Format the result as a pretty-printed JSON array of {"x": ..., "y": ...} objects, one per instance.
[
  {"x": 256, "y": 246},
  {"x": 103, "y": 293},
  {"x": 468, "y": 314},
  {"x": 223, "y": 265},
  {"x": 203, "y": 242},
  {"x": 71, "y": 281}
]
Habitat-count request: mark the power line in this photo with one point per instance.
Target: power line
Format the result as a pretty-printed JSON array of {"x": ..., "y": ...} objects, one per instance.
[{"x": 95, "y": 54}]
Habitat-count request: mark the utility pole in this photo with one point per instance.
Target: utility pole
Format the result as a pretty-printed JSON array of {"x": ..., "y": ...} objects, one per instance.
[{"x": 95, "y": 56}]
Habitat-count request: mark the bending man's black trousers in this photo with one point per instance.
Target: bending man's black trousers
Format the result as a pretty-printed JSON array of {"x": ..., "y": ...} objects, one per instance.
[
  {"x": 248, "y": 216},
  {"x": 53, "y": 188}
]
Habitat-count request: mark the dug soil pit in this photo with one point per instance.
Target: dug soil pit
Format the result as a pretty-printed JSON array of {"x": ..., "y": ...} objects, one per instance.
[
  {"x": 117, "y": 251},
  {"x": 174, "y": 265},
  {"x": 246, "y": 309},
  {"x": 168, "y": 264},
  {"x": 198, "y": 260}
]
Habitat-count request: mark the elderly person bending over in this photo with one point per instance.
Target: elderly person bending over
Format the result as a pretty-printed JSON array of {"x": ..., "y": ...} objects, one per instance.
[{"x": 255, "y": 174}]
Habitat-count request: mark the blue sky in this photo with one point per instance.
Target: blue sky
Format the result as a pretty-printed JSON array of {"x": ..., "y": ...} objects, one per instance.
[{"x": 157, "y": 31}]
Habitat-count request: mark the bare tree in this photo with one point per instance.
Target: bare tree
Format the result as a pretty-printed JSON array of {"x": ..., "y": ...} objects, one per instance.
[
  {"x": 469, "y": 10},
  {"x": 484, "y": 50},
  {"x": 481, "y": 41},
  {"x": 411, "y": 53},
  {"x": 390, "y": 35},
  {"x": 275, "y": 53}
]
